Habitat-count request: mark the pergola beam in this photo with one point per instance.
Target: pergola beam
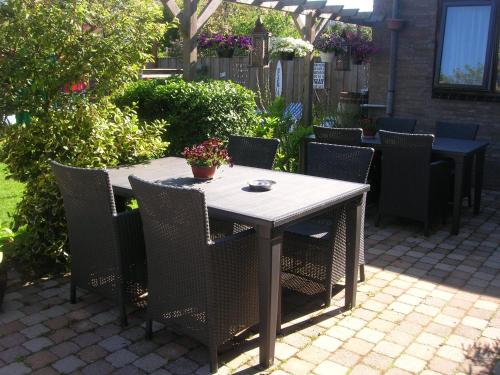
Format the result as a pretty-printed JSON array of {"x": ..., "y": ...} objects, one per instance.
[
  {"x": 207, "y": 12},
  {"x": 172, "y": 7}
]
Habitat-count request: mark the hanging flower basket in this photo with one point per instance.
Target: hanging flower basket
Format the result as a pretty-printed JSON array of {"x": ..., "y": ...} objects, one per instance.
[
  {"x": 288, "y": 48},
  {"x": 327, "y": 57},
  {"x": 225, "y": 53}
]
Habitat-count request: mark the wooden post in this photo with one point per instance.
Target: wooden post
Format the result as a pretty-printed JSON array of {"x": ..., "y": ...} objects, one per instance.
[
  {"x": 189, "y": 31},
  {"x": 307, "y": 98}
]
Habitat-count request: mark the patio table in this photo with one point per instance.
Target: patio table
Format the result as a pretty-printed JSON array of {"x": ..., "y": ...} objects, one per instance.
[
  {"x": 459, "y": 151},
  {"x": 294, "y": 198}
]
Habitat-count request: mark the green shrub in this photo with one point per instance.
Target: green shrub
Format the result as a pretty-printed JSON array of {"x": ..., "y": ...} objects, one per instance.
[
  {"x": 96, "y": 135},
  {"x": 275, "y": 124},
  {"x": 195, "y": 111}
]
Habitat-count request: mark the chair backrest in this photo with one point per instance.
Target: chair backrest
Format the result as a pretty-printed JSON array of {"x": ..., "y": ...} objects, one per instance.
[
  {"x": 396, "y": 124},
  {"x": 175, "y": 223},
  {"x": 90, "y": 209},
  {"x": 294, "y": 110},
  {"x": 338, "y": 136},
  {"x": 405, "y": 180},
  {"x": 339, "y": 162},
  {"x": 252, "y": 151},
  {"x": 456, "y": 130}
]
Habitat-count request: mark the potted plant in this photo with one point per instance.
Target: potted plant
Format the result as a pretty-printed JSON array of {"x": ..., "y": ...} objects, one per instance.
[
  {"x": 225, "y": 45},
  {"x": 286, "y": 48},
  {"x": 329, "y": 46},
  {"x": 369, "y": 127},
  {"x": 362, "y": 48},
  {"x": 206, "y": 157}
]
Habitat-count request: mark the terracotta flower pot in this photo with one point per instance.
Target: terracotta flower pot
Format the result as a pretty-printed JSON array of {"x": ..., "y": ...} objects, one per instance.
[
  {"x": 370, "y": 133},
  {"x": 205, "y": 173},
  {"x": 394, "y": 24}
]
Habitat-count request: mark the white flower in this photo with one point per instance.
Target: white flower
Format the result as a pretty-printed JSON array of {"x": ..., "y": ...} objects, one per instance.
[{"x": 298, "y": 47}]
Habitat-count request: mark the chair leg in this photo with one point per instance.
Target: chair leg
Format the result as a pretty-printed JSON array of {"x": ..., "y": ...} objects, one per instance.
[
  {"x": 378, "y": 219},
  {"x": 214, "y": 365},
  {"x": 149, "y": 329},
  {"x": 427, "y": 231},
  {"x": 361, "y": 273},
  {"x": 122, "y": 307},
  {"x": 72, "y": 293},
  {"x": 328, "y": 294},
  {"x": 469, "y": 198}
]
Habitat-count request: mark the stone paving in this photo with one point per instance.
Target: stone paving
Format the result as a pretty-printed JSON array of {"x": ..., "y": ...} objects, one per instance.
[{"x": 429, "y": 306}]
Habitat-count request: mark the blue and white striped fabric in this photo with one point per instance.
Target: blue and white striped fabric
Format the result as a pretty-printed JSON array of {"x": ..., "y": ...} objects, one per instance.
[{"x": 294, "y": 110}]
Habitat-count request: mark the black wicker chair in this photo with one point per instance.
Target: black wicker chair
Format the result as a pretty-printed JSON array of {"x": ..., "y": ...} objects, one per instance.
[
  {"x": 252, "y": 151},
  {"x": 396, "y": 124},
  {"x": 412, "y": 186},
  {"x": 338, "y": 136},
  {"x": 314, "y": 252},
  {"x": 204, "y": 289},
  {"x": 456, "y": 130},
  {"x": 465, "y": 131},
  {"x": 107, "y": 247}
]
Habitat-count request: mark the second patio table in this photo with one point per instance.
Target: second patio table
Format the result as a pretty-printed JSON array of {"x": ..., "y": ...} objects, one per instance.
[
  {"x": 294, "y": 198},
  {"x": 458, "y": 150}
]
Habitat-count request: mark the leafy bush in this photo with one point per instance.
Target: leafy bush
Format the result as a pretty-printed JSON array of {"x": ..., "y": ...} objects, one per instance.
[
  {"x": 195, "y": 111},
  {"x": 275, "y": 124},
  {"x": 60, "y": 61},
  {"x": 87, "y": 135}
]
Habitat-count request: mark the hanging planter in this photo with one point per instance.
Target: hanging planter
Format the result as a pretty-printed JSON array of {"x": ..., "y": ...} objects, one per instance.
[
  {"x": 394, "y": 24},
  {"x": 327, "y": 57},
  {"x": 224, "y": 45},
  {"x": 225, "y": 53},
  {"x": 289, "y": 48}
]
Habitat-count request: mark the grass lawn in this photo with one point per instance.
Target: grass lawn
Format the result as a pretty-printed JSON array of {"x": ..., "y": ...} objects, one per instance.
[{"x": 10, "y": 193}]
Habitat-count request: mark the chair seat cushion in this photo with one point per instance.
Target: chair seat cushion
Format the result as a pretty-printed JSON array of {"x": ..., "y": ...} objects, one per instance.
[{"x": 318, "y": 229}]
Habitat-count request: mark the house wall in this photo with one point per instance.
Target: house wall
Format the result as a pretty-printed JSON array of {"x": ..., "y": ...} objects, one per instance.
[{"x": 415, "y": 70}]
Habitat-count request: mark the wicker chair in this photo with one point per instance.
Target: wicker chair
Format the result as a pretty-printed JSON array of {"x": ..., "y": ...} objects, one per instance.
[
  {"x": 412, "y": 186},
  {"x": 338, "y": 136},
  {"x": 395, "y": 124},
  {"x": 456, "y": 130},
  {"x": 314, "y": 252},
  {"x": 465, "y": 131},
  {"x": 107, "y": 247},
  {"x": 252, "y": 151},
  {"x": 204, "y": 289}
]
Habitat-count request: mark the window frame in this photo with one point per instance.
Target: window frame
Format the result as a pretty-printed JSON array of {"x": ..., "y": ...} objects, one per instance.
[{"x": 486, "y": 91}]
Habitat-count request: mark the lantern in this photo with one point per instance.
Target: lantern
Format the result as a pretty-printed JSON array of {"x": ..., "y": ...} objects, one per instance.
[{"x": 260, "y": 45}]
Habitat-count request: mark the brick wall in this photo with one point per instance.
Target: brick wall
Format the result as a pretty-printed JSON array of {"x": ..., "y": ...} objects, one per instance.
[{"x": 415, "y": 78}]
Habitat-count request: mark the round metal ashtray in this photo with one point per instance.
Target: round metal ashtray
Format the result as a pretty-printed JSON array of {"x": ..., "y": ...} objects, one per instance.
[{"x": 261, "y": 185}]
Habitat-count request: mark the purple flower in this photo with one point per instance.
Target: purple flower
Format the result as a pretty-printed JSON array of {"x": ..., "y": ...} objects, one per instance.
[{"x": 223, "y": 42}]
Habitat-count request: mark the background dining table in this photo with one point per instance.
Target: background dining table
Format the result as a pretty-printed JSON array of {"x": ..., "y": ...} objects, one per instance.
[
  {"x": 293, "y": 198},
  {"x": 458, "y": 150}
]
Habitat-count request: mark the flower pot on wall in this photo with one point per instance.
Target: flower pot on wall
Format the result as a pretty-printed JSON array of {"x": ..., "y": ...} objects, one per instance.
[
  {"x": 327, "y": 57},
  {"x": 394, "y": 24},
  {"x": 225, "y": 53},
  {"x": 205, "y": 173}
]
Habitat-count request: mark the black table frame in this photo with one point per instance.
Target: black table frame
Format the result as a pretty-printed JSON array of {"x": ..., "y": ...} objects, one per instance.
[{"x": 476, "y": 153}]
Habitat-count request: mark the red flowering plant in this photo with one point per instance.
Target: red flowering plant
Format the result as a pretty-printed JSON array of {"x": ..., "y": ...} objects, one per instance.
[{"x": 209, "y": 153}]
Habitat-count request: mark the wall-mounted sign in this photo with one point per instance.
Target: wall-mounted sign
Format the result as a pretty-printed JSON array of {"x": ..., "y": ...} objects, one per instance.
[
  {"x": 319, "y": 76},
  {"x": 278, "y": 80}
]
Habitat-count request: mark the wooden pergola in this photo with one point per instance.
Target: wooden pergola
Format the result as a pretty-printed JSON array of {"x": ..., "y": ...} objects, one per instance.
[{"x": 310, "y": 17}]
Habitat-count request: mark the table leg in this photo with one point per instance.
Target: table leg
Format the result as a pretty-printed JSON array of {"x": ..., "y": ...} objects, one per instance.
[
  {"x": 269, "y": 248},
  {"x": 457, "y": 194},
  {"x": 478, "y": 180},
  {"x": 353, "y": 231}
]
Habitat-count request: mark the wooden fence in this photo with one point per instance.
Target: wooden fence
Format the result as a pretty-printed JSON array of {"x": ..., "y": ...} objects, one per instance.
[{"x": 262, "y": 80}]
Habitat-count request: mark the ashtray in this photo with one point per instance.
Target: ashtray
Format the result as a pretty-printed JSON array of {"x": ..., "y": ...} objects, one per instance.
[{"x": 261, "y": 185}]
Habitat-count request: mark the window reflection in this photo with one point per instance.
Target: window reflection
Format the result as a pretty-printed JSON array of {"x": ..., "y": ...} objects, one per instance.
[{"x": 465, "y": 45}]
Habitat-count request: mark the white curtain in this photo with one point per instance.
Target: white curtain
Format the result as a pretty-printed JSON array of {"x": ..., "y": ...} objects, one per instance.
[{"x": 465, "y": 44}]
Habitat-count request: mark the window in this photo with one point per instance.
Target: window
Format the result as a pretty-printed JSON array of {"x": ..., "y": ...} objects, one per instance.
[{"x": 468, "y": 48}]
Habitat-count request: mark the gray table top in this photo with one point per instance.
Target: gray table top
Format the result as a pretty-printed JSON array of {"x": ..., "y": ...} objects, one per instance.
[{"x": 293, "y": 197}]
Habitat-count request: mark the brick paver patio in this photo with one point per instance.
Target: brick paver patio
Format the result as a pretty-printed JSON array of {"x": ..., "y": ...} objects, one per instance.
[{"x": 428, "y": 306}]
